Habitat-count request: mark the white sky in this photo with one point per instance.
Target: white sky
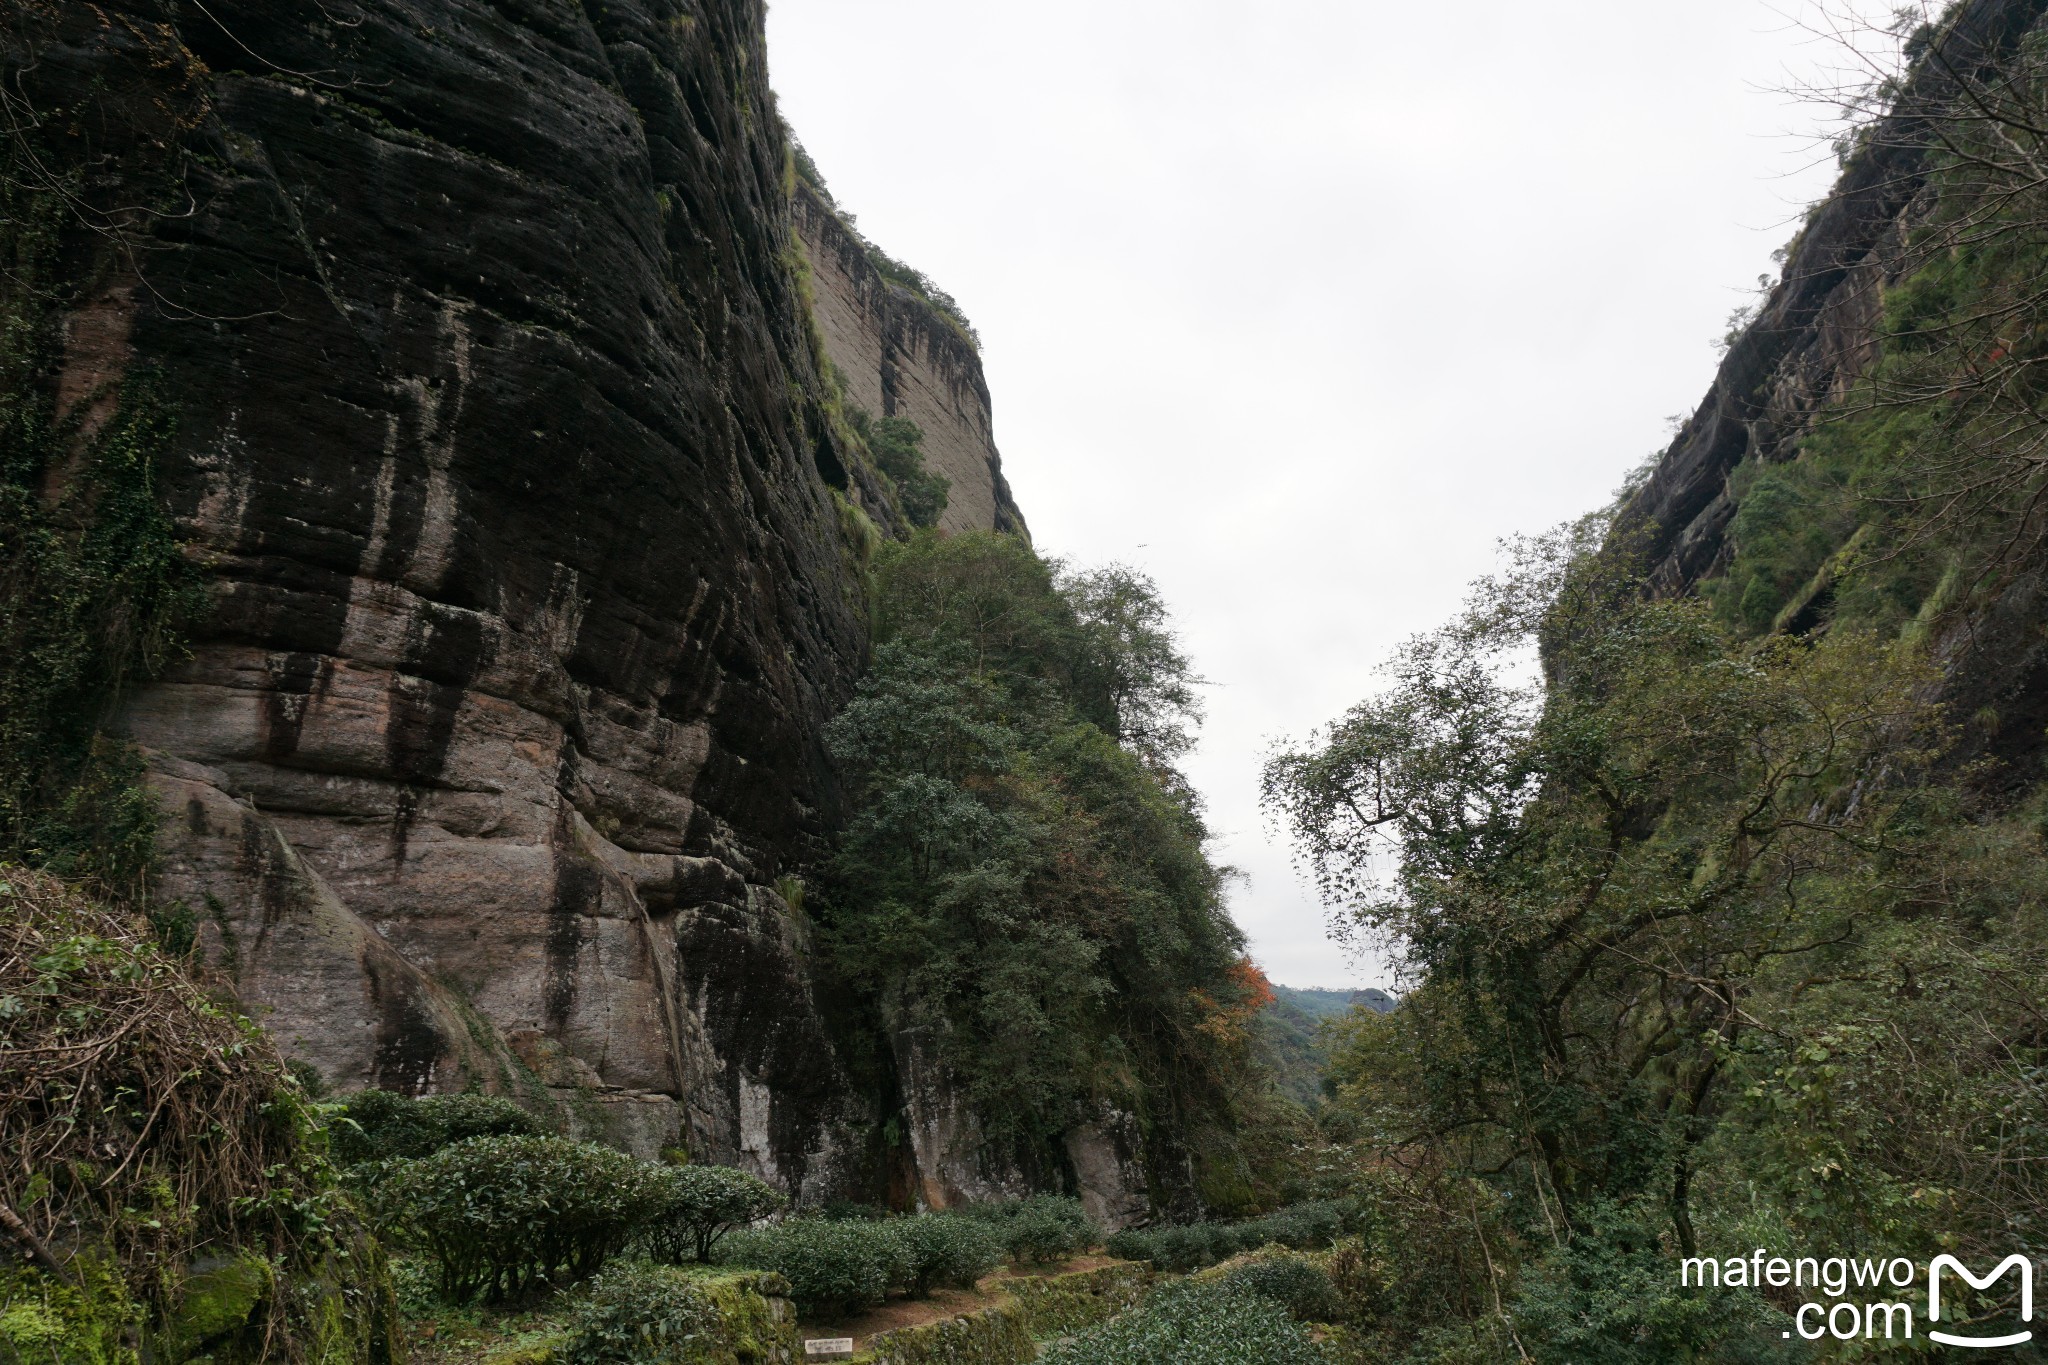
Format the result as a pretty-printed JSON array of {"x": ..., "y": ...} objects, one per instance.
[{"x": 1301, "y": 306}]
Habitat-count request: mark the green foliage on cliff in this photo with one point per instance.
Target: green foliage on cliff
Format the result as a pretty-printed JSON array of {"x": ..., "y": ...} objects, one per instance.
[
  {"x": 1920, "y": 490},
  {"x": 1728, "y": 931},
  {"x": 802, "y": 169},
  {"x": 93, "y": 588},
  {"x": 897, "y": 447},
  {"x": 1022, "y": 897}
]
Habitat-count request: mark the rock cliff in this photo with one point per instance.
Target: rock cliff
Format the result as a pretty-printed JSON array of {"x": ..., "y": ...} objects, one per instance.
[
  {"x": 899, "y": 356},
  {"x": 502, "y": 437},
  {"x": 1815, "y": 334}
]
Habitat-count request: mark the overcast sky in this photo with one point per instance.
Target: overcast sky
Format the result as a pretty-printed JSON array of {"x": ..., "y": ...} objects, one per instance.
[{"x": 1301, "y": 306}]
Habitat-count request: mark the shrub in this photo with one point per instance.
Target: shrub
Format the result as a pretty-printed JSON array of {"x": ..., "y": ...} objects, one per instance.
[
  {"x": 692, "y": 1207},
  {"x": 943, "y": 1250},
  {"x": 1193, "y": 1323},
  {"x": 1045, "y": 1227},
  {"x": 1304, "y": 1226},
  {"x": 1190, "y": 1246},
  {"x": 498, "y": 1214},
  {"x": 377, "y": 1125},
  {"x": 832, "y": 1267},
  {"x": 641, "y": 1315},
  {"x": 1201, "y": 1244},
  {"x": 1131, "y": 1244},
  {"x": 1289, "y": 1279}
]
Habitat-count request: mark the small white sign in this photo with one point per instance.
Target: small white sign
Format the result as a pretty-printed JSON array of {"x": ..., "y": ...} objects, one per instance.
[{"x": 828, "y": 1348}]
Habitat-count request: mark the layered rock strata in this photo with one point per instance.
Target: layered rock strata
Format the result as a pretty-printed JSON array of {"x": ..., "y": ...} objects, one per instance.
[
  {"x": 500, "y": 437},
  {"x": 899, "y": 356}
]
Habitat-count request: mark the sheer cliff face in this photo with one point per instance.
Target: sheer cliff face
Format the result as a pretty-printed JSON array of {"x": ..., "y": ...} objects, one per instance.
[
  {"x": 499, "y": 433},
  {"x": 900, "y": 357},
  {"x": 1816, "y": 335}
]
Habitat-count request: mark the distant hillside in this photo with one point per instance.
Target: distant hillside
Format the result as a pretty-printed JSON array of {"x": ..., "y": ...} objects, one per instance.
[
  {"x": 1319, "y": 1003},
  {"x": 1292, "y": 1033}
]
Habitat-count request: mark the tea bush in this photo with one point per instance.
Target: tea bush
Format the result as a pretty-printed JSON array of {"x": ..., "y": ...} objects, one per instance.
[
  {"x": 1192, "y": 1323},
  {"x": 1289, "y": 1279},
  {"x": 377, "y": 1125},
  {"x": 1183, "y": 1247},
  {"x": 641, "y": 1315},
  {"x": 1045, "y": 1227},
  {"x": 500, "y": 1214},
  {"x": 692, "y": 1207},
  {"x": 832, "y": 1267},
  {"x": 943, "y": 1251}
]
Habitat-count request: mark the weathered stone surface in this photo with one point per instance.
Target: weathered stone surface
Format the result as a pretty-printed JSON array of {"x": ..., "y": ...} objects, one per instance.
[
  {"x": 1109, "y": 1168},
  {"x": 500, "y": 436},
  {"x": 900, "y": 357},
  {"x": 955, "y": 1163}
]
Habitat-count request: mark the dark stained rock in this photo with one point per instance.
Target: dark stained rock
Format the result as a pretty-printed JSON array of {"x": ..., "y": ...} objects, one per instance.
[
  {"x": 1815, "y": 334},
  {"x": 500, "y": 437}
]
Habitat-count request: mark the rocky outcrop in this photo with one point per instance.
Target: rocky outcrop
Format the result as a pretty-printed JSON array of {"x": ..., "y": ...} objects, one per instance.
[
  {"x": 1816, "y": 334},
  {"x": 899, "y": 356},
  {"x": 1813, "y": 336},
  {"x": 500, "y": 436}
]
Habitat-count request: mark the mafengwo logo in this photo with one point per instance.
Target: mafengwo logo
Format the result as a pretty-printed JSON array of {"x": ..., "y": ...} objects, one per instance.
[
  {"x": 2013, "y": 1262},
  {"x": 1847, "y": 1318}
]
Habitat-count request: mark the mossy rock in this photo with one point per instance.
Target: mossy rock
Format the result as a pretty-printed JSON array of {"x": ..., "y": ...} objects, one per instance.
[
  {"x": 756, "y": 1321},
  {"x": 992, "y": 1336},
  {"x": 218, "y": 1298},
  {"x": 45, "y": 1322}
]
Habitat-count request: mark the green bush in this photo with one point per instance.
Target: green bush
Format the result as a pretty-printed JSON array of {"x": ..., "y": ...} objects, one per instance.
[
  {"x": 1176, "y": 1247},
  {"x": 1289, "y": 1279},
  {"x": 500, "y": 1214},
  {"x": 1045, "y": 1227},
  {"x": 377, "y": 1125},
  {"x": 832, "y": 1267},
  {"x": 1183, "y": 1247},
  {"x": 943, "y": 1251},
  {"x": 641, "y": 1315},
  {"x": 897, "y": 446},
  {"x": 1131, "y": 1244},
  {"x": 1192, "y": 1323},
  {"x": 692, "y": 1207}
]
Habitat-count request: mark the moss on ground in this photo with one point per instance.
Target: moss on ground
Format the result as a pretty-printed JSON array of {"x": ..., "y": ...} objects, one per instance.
[{"x": 91, "y": 1322}]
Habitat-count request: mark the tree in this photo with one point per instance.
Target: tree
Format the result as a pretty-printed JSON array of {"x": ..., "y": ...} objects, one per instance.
[
  {"x": 1133, "y": 661},
  {"x": 691, "y": 1207},
  {"x": 1589, "y": 876},
  {"x": 897, "y": 446},
  {"x": 1023, "y": 883}
]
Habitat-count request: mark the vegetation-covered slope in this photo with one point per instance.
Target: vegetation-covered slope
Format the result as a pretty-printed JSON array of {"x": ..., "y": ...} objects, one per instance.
[
  {"x": 164, "y": 1189},
  {"x": 1728, "y": 932},
  {"x": 1021, "y": 908}
]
